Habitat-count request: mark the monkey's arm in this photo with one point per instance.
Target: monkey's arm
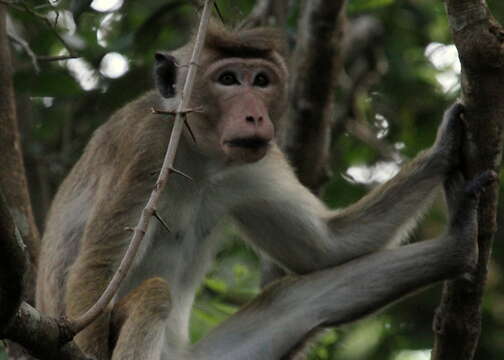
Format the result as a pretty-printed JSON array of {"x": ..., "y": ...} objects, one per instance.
[
  {"x": 123, "y": 181},
  {"x": 101, "y": 248},
  {"x": 287, "y": 312},
  {"x": 392, "y": 209},
  {"x": 295, "y": 229}
]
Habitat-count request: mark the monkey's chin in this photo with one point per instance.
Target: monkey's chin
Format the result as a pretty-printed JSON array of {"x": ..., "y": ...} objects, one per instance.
[{"x": 245, "y": 154}]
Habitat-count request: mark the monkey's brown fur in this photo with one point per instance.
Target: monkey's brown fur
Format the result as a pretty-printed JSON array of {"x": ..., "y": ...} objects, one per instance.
[{"x": 238, "y": 173}]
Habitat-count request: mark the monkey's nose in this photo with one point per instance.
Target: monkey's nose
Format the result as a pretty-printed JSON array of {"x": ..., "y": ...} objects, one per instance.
[{"x": 252, "y": 119}]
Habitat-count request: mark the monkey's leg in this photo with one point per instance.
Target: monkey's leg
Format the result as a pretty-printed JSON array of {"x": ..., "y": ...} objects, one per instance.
[
  {"x": 290, "y": 310},
  {"x": 138, "y": 322}
]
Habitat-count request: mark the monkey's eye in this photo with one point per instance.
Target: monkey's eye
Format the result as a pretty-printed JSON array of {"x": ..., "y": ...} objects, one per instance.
[
  {"x": 261, "y": 80},
  {"x": 228, "y": 79}
]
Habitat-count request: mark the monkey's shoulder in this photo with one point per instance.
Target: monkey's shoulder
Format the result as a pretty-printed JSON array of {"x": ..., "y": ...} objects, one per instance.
[{"x": 131, "y": 132}]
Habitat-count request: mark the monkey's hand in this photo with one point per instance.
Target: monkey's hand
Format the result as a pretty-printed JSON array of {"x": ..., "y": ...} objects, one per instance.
[
  {"x": 449, "y": 138},
  {"x": 463, "y": 200}
]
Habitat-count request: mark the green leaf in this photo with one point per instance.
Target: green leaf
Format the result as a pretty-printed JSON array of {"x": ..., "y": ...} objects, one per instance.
[
  {"x": 48, "y": 83},
  {"x": 216, "y": 285}
]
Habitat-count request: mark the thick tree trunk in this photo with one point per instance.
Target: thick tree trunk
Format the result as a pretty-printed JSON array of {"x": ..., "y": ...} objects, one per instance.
[
  {"x": 479, "y": 40},
  {"x": 13, "y": 182},
  {"x": 12, "y": 266},
  {"x": 12, "y": 173}
]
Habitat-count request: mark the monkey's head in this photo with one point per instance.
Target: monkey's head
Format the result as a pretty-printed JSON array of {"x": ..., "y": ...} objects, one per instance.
[{"x": 240, "y": 88}]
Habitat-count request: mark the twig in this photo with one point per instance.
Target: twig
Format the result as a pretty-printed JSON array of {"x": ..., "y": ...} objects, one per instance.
[
  {"x": 21, "y": 6},
  {"x": 178, "y": 172},
  {"x": 139, "y": 231},
  {"x": 217, "y": 10},
  {"x": 56, "y": 58},
  {"x": 182, "y": 113},
  {"x": 174, "y": 113},
  {"x": 26, "y": 47},
  {"x": 161, "y": 220},
  {"x": 193, "y": 137},
  {"x": 38, "y": 58}
]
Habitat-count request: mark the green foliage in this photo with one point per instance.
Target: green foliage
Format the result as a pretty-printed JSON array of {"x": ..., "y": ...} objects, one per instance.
[
  {"x": 409, "y": 96},
  {"x": 357, "y": 6}
]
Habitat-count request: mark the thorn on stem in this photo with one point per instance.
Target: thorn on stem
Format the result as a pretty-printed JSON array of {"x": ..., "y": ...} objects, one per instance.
[
  {"x": 190, "y": 130},
  {"x": 161, "y": 220},
  {"x": 217, "y": 10},
  {"x": 173, "y": 113},
  {"x": 187, "y": 65},
  {"x": 178, "y": 172}
]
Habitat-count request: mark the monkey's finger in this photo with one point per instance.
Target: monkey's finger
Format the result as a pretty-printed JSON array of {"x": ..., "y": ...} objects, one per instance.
[
  {"x": 479, "y": 184},
  {"x": 450, "y": 132},
  {"x": 465, "y": 210},
  {"x": 455, "y": 111}
]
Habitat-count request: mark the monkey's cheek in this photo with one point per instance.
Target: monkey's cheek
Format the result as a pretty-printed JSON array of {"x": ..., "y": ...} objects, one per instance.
[{"x": 245, "y": 154}]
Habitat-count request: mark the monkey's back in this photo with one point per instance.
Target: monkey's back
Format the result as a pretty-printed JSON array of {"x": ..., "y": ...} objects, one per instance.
[{"x": 116, "y": 156}]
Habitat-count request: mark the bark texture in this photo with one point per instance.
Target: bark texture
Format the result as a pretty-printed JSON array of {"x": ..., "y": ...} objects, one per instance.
[
  {"x": 45, "y": 337},
  {"x": 479, "y": 40},
  {"x": 315, "y": 66},
  {"x": 19, "y": 322},
  {"x": 12, "y": 266},
  {"x": 12, "y": 173}
]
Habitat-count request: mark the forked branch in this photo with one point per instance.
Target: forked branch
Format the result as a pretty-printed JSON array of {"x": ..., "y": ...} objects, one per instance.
[{"x": 167, "y": 169}]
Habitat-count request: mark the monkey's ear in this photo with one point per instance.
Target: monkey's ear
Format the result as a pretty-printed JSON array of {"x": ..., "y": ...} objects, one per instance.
[{"x": 165, "y": 74}]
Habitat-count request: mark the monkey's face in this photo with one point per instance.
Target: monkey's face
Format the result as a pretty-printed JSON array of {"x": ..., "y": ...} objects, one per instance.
[
  {"x": 243, "y": 94},
  {"x": 241, "y": 99}
]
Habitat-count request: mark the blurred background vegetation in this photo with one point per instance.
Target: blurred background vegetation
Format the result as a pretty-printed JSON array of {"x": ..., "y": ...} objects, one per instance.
[{"x": 418, "y": 75}]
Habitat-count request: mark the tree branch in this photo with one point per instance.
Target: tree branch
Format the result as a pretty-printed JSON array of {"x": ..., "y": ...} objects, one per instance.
[
  {"x": 266, "y": 13},
  {"x": 45, "y": 337},
  {"x": 315, "y": 68},
  {"x": 20, "y": 322},
  {"x": 167, "y": 168},
  {"x": 22, "y": 6},
  {"x": 13, "y": 264},
  {"x": 26, "y": 47},
  {"x": 12, "y": 172},
  {"x": 479, "y": 40}
]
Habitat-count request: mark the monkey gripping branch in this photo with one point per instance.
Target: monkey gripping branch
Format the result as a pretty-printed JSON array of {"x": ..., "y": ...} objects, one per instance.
[{"x": 479, "y": 39}]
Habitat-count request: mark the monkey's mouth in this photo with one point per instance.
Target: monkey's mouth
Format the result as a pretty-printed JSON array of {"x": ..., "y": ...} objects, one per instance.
[
  {"x": 246, "y": 149},
  {"x": 252, "y": 143}
]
